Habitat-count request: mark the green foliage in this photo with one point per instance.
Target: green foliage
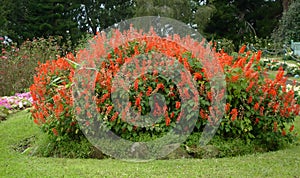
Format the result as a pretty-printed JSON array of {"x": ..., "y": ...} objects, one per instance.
[
  {"x": 17, "y": 65},
  {"x": 4, "y": 112},
  {"x": 176, "y": 9},
  {"x": 27, "y": 19},
  {"x": 289, "y": 25},
  {"x": 220, "y": 147},
  {"x": 224, "y": 44},
  {"x": 238, "y": 21},
  {"x": 57, "y": 18},
  {"x": 242, "y": 20},
  {"x": 46, "y": 147},
  {"x": 98, "y": 15},
  {"x": 12, "y": 19}
]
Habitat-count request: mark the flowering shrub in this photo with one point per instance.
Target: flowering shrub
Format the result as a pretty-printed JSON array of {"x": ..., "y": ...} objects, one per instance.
[
  {"x": 52, "y": 101},
  {"x": 296, "y": 91},
  {"x": 256, "y": 107}
]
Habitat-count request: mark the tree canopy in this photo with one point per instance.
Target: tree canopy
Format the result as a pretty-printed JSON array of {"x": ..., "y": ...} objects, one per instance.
[
  {"x": 234, "y": 20},
  {"x": 289, "y": 25}
]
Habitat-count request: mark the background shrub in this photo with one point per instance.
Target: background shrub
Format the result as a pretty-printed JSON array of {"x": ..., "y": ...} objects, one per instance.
[{"x": 17, "y": 64}]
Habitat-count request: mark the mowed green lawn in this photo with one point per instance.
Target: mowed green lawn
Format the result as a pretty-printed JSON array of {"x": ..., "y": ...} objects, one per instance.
[{"x": 283, "y": 163}]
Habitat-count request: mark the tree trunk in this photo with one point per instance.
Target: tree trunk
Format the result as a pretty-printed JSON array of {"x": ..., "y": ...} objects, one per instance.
[{"x": 285, "y": 4}]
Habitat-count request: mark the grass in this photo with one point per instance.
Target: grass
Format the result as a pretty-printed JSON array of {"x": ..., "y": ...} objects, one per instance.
[{"x": 283, "y": 163}]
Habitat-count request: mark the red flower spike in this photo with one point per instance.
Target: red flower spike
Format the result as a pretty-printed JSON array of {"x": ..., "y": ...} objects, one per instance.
[
  {"x": 177, "y": 105},
  {"x": 242, "y": 50},
  {"x": 283, "y": 133},
  {"x": 275, "y": 126},
  {"x": 256, "y": 120},
  {"x": 149, "y": 91},
  {"x": 292, "y": 128},
  {"x": 234, "y": 113},
  {"x": 256, "y": 106},
  {"x": 250, "y": 100},
  {"x": 136, "y": 85},
  {"x": 138, "y": 102},
  {"x": 55, "y": 132},
  {"x": 227, "y": 107}
]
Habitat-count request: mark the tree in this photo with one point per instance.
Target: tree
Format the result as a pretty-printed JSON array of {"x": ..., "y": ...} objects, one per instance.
[
  {"x": 52, "y": 18},
  {"x": 241, "y": 20},
  {"x": 285, "y": 5},
  {"x": 177, "y": 9},
  {"x": 12, "y": 18},
  {"x": 289, "y": 25},
  {"x": 96, "y": 15}
]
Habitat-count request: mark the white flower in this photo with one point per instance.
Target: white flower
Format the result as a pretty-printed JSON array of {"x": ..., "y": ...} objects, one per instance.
[{"x": 20, "y": 105}]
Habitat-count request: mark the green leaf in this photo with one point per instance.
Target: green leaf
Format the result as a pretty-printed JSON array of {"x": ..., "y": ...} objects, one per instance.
[{"x": 129, "y": 127}]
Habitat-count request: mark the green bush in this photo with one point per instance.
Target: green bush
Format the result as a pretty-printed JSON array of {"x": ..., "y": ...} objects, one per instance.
[
  {"x": 45, "y": 147},
  {"x": 225, "y": 45},
  {"x": 219, "y": 147}
]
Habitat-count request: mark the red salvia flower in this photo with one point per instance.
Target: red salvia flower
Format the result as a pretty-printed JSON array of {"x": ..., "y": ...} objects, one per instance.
[
  {"x": 149, "y": 91},
  {"x": 249, "y": 86},
  {"x": 89, "y": 115},
  {"x": 36, "y": 121},
  {"x": 172, "y": 115},
  {"x": 203, "y": 115},
  {"x": 177, "y": 104},
  {"x": 275, "y": 126},
  {"x": 258, "y": 55},
  {"x": 256, "y": 106},
  {"x": 167, "y": 120},
  {"x": 283, "y": 133},
  {"x": 234, "y": 113},
  {"x": 160, "y": 86},
  {"x": 250, "y": 100},
  {"x": 291, "y": 128},
  {"x": 197, "y": 76},
  {"x": 136, "y": 85},
  {"x": 138, "y": 101},
  {"x": 235, "y": 78},
  {"x": 261, "y": 112},
  {"x": 227, "y": 107},
  {"x": 116, "y": 114},
  {"x": 209, "y": 96},
  {"x": 104, "y": 97},
  {"x": 55, "y": 132},
  {"x": 109, "y": 108},
  {"x": 242, "y": 50}
]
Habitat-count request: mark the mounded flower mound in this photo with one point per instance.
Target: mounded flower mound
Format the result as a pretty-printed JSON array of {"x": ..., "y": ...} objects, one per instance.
[{"x": 257, "y": 108}]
